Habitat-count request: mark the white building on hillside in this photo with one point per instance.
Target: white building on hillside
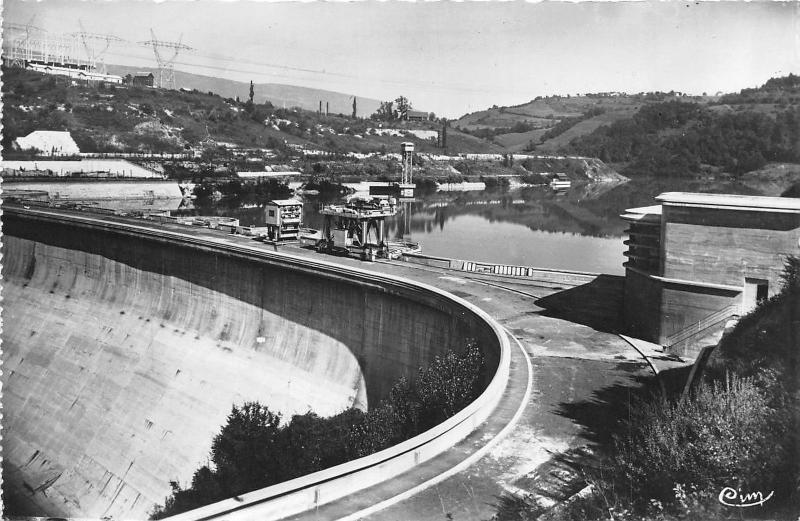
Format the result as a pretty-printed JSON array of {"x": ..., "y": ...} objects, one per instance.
[
  {"x": 75, "y": 73},
  {"x": 48, "y": 142}
]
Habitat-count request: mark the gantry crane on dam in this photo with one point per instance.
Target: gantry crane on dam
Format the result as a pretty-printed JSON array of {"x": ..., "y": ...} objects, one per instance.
[{"x": 357, "y": 227}]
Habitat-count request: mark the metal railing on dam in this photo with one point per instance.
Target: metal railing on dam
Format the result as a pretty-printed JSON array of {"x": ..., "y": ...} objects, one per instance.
[
  {"x": 162, "y": 301},
  {"x": 509, "y": 271}
]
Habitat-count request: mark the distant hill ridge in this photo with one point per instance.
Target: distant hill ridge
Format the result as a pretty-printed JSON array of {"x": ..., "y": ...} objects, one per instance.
[
  {"x": 604, "y": 125},
  {"x": 278, "y": 94}
]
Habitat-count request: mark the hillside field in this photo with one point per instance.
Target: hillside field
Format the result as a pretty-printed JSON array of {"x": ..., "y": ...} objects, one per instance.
[
  {"x": 662, "y": 134},
  {"x": 133, "y": 119},
  {"x": 280, "y": 95}
]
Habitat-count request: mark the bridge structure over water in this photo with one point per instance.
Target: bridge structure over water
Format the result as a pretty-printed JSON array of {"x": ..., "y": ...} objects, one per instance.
[{"x": 127, "y": 342}]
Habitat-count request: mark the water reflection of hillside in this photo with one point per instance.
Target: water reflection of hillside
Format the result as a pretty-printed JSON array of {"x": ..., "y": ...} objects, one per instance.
[
  {"x": 589, "y": 209},
  {"x": 537, "y": 209},
  {"x": 579, "y": 229}
]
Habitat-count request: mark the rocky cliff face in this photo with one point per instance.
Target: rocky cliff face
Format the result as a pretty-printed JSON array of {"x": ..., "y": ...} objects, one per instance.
[
  {"x": 576, "y": 168},
  {"x": 597, "y": 171}
]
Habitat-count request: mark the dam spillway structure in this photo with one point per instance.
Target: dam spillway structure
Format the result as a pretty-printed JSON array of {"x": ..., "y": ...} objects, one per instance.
[{"x": 126, "y": 344}]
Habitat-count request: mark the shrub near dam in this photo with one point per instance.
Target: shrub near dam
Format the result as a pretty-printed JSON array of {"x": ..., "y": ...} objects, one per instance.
[{"x": 253, "y": 450}]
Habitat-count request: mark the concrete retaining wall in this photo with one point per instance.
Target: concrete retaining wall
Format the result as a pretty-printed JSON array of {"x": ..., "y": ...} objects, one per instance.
[
  {"x": 97, "y": 190},
  {"x": 642, "y": 302},
  {"x": 123, "y": 355},
  {"x": 117, "y": 167}
]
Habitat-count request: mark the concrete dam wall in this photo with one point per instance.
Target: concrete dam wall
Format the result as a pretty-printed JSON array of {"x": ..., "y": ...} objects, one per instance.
[{"x": 123, "y": 354}]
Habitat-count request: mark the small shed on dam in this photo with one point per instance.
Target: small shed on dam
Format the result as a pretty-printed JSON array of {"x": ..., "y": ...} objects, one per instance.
[{"x": 696, "y": 261}]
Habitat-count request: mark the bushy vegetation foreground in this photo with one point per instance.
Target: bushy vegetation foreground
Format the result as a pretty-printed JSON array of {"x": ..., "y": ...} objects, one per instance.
[
  {"x": 732, "y": 440},
  {"x": 255, "y": 449}
]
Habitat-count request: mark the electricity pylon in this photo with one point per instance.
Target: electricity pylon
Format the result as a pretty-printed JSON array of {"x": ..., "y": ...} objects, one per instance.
[
  {"x": 20, "y": 36},
  {"x": 94, "y": 54},
  {"x": 166, "y": 66}
]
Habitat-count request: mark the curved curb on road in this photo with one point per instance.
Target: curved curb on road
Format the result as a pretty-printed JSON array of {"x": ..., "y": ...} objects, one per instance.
[
  {"x": 641, "y": 353},
  {"x": 473, "y": 458}
]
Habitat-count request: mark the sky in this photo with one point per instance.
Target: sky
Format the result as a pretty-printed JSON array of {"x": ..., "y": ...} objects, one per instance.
[{"x": 447, "y": 57}]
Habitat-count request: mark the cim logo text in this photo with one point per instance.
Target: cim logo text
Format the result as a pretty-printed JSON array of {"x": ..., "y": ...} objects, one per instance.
[{"x": 733, "y": 498}]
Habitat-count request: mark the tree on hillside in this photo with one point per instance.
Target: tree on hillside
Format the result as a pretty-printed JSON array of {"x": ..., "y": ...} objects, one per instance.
[
  {"x": 385, "y": 112},
  {"x": 403, "y": 106},
  {"x": 786, "y": 82},
  {"x": 248, "y": 106}
]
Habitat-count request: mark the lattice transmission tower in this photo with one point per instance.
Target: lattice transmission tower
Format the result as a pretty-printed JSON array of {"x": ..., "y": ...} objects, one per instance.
[
  {"x": 26, "y": 44},
  {"x": 166, "y": 66},
  {"x": 17, "y": 42},
  {"x": 95, "y": 46}
]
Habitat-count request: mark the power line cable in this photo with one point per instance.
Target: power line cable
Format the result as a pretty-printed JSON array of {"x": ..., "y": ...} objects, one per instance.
[{"x": 330, "y": 74}]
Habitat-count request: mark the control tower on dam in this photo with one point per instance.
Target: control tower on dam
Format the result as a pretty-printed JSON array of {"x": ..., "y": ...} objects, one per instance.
[{"x": 124, "y": 349}]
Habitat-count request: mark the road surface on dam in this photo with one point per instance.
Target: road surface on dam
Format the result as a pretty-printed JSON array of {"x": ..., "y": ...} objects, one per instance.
[
  {"x": 565, "y": 377},
  {"x": 566, "y": 367}
]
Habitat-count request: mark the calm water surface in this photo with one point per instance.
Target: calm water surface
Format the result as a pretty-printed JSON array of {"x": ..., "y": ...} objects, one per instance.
[
  {"x": 473, "y": 237},
  {"x": 577, "y": 230}
]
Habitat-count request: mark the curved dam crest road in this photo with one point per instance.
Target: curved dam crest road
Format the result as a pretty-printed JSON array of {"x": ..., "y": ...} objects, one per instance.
[{"x": 123, "y": 355}]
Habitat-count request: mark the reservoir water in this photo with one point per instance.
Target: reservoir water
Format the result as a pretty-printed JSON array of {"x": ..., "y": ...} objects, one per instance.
[
  {"x": 579, "y": 229},
  {"x": 512, "y": 243}
]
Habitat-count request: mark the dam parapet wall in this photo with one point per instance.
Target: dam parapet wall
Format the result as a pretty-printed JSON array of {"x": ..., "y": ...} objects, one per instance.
[{"x": 124, "y": 351}]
